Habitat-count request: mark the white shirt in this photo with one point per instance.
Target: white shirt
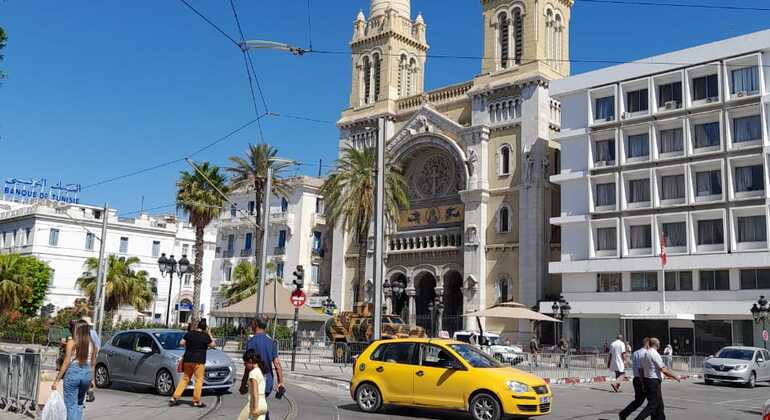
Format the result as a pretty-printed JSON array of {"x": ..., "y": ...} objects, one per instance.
[
  {"x": 652, "y": 364},
  {"x": 636, "y": 361},
  {"x": 617, "y": 348},
  {"x": 668, "y": 351}
]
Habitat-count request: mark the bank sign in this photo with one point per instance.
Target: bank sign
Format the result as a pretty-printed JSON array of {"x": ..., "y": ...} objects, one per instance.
[{"x": 32, "y": 190}]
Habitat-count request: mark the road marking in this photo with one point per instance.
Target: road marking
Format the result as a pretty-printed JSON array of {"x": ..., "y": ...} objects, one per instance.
[{"x": 735, "y": 401}]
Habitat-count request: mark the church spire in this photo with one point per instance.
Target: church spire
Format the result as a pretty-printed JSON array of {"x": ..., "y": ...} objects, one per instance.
[{"x": 403, "y": 7}]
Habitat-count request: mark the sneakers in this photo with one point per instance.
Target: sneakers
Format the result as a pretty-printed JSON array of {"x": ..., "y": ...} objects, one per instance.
[{"x": 90, "y": 397}]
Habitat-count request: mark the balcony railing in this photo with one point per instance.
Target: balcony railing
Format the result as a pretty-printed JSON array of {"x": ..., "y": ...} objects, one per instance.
[
  {"x": 426, "y": 240},
  {"x": 279, "y": 250},
  {"x": 247, "y": 252},
  {"x": 228, "y": 253}
]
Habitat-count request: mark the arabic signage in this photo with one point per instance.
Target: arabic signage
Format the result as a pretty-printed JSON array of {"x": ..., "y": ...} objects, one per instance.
[
  {"x": 31, "y": 190},
  {"x": 431, "y": 216}
]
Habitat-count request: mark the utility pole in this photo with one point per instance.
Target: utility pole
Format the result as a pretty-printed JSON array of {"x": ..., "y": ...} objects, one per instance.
[
  {"x": 379, "y": 228},
  {"x": 265, "y": 224},
  {"x": 101, "y": 272}
]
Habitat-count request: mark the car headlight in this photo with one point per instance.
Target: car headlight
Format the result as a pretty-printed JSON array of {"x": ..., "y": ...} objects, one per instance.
[
  {"x": 741, "y": 367},
  {"x": 707, "y": 365},
  {"x": 517, "y": 387}
]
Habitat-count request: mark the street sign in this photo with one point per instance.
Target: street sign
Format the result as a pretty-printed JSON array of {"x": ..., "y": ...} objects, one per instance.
[
  {"x": 765, "y": 336},
  {"x": 298, "y": 298}
]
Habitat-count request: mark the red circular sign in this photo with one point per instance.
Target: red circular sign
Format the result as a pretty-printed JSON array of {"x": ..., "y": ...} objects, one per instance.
[{"x": 298, "y": 298}]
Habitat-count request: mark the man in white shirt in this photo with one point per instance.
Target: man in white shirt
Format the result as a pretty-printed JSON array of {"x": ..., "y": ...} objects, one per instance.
[
  {"x": 638, "y": 382},
  {"x": 616, "y": 363},
  {"x": 653, "y": 370}
]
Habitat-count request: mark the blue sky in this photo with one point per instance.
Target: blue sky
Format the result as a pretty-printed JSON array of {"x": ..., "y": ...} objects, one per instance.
[{"x": 99, "y": 89}]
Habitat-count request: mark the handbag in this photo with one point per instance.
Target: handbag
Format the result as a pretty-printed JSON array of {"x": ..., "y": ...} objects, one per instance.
[{"x": 180, "y": 365}]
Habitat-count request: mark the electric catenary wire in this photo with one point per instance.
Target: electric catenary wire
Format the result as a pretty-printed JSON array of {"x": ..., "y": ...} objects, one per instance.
[{"x": 682, "y": 5}]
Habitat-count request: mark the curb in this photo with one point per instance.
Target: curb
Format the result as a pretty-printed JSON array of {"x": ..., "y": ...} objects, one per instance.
[{"x": 604, "y": 379}]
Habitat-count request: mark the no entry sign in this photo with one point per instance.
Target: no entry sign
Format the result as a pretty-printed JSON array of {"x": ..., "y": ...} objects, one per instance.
[{"x": 298, "y": 298}]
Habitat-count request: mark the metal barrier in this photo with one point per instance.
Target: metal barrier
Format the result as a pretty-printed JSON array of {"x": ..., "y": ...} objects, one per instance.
[{"x": 19, "y": 382}]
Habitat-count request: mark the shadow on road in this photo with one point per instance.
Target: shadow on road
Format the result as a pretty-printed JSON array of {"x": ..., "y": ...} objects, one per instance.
[{"x": 410, "y": 412}]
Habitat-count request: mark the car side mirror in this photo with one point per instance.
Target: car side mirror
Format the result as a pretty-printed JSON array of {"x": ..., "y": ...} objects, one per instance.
[
  {"x": 760, "y": 360},
  {"x": 144, "y": 350}
]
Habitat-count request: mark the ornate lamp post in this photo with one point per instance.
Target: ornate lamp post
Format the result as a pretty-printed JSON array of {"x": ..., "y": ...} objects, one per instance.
[
  {"x": 170, "y": 266},
  {"x": 760, "y": 311},
  {"x": 560, "y": 309}
]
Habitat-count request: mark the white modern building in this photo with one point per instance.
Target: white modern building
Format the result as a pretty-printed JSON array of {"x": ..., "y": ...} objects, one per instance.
[
  {"x": 297, "y": 235},
  {"x": 66, "y": 235},
  {"x": 673, "y": 148}
]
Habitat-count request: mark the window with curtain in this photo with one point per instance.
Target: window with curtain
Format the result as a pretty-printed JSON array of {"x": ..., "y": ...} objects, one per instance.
[
  {"x": 745, "y": 80},
  {"x": 671, "y": 140},
  {"x": 672, "y": 187},
  {"x": 749, "y": 178},
  {"x": 638, "y": 145},
  {"x": 705, "y": 87},
  {"x": 281, "y": 239},
  {"x": 670, "y": 92},
  {"x": 755, "y": 279},
  {"x": 606, "y": 239},
  {"x": 637, "y": 101},
  {"x": 715, "y": 280},
  {"x": 605, "y": 108},
  {"x": 707, "y": 135},
  {"x": 90, "y": 237},
  {"x": 230, "y": 243},
  {"x": 675, "y": 234},
  {"x": 155, "y": 248},
  {"x": 53, "y": 238},
  {"x": 710, "y": 232},
  {"x": 247, "y": 241},
  {"x": 609, "y": 282},
  {"x": 678, "y": 280},
  {"x": 752, "y": 229},
  {"x": 605, "y": 194},
  {"x": 640, "y": 237},
  {"x": 638, "y": 190},
  {"x": 644, "y": 282},
  {"x": 124, "y": 245},
  {"x": 708, "y": 183},
  {"x": 503, "y": 220},
  {"x": 505, "y": 30},
  {"x": 604, "y": 151},
  {"x": 747, "y": 128}
]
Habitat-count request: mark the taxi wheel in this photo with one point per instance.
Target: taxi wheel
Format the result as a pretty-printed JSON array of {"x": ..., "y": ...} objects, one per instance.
[
  {"x": 368, "y": 398},
  {"x": 485, "y": 407},
  {"x": 164, "y": 383}
]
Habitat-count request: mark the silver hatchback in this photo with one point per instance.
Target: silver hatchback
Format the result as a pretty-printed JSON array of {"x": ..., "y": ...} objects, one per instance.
[
  {"x": 149, "y": 358},
  {"x": 737, "y": 364}
]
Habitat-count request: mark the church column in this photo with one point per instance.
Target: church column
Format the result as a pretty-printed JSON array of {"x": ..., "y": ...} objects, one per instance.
[
  {"x": 411, "y": 293},
  {"x": 439, "y": 314}
]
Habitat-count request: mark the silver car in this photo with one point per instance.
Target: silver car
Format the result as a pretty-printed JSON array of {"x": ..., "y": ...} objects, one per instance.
[
  {"x": 742, "y": 365},
  {"x": 150, "y": 357}
]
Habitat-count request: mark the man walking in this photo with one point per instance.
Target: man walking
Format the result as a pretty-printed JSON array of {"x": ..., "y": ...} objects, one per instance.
[
  {"x": 616, "y": 363},
  {"x": 564, "y": 348},
  {"x": 654, "y": 369},
  {"x": 534, "y": 348},
  {"x": 267, "y": 350},
  {"x": 638, "y": 382}
]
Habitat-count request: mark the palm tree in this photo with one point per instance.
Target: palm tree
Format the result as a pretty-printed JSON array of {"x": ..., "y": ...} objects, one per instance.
[
  {"x": 123, "y": 285},
  {"x": 200, "y": 195},
  {"x": 14, "y": 286},
  {"x": 349, "y": 194},
  {"x": 244, "y": 283}
]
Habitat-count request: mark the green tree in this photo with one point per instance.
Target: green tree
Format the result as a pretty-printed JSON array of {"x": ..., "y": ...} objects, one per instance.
[
  {"x": 123, "y": 285},
  {"x": 39, "y": 275},
  {"x": 349, "y": 194},
  {"x": 23, "y": 283},
  {"x": 198, "y": 195},
  {"x": 244, "y": 282}
]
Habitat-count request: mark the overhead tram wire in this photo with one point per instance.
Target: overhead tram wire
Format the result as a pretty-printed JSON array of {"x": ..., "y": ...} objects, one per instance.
[
  {"x": 214, "y": 25},
  {"x": 681, "y": 5},
  {"x": 309, "y": 27}
]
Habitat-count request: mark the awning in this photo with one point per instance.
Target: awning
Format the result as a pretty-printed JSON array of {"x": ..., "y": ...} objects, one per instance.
[
  {"x": 686, "y": 317},
  {"x": 247, "y": 308},
  {"x": 511, "y": 310}
]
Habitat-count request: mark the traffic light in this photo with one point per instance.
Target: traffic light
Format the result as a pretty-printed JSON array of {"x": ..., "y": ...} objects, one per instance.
[{"x": 299, "y": 277}]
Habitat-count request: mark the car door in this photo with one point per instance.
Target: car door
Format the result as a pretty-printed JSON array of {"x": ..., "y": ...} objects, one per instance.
[
  {"x": 394, "y": 369},
  {"x": 765, "y": 367},
  {"x": 118, "y": 354},
  {"x": 440, "y": 380},
  {"x": 145, "y": 365}
]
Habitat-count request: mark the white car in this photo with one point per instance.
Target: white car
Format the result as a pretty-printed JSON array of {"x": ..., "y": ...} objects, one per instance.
[
  {"x": 511, "y": 355},
  {"x": 505, "y": 354}
]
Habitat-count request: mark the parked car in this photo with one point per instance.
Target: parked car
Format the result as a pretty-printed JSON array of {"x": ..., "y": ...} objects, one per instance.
[
  {"x": 734, "y": 364},
  {"x": 512, "y": 355},
  {"x": 445, "y": 374},
  {"x": 149, "y": 357}
]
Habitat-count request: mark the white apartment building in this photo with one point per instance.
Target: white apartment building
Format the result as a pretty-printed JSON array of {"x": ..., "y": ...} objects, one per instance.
[
  {"x": 672, "y": 147},
  {"x": 297, "y": 235},
  {"x": 65, "y": 235}
]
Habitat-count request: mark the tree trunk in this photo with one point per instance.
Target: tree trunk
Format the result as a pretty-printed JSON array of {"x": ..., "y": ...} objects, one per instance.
[
  {"x": 198, "y": 274},
  {"x": 363, "y": 251}
]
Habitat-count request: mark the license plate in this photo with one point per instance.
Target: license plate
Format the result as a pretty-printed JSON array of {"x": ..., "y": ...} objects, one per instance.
[{"x": 545, "y": 400}]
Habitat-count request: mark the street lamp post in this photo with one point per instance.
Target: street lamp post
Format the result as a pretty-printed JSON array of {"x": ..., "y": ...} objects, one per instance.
[
  {"x": 560, "y": 309},
  {"x": 170, "y": 266},
  {"x": 760, "y": 311}
]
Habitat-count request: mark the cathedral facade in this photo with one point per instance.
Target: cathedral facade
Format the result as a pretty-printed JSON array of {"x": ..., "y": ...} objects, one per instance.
[{"x": 476, "y": 156}]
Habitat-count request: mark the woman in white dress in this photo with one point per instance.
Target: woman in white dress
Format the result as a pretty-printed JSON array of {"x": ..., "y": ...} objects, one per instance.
[{"x": 255, "y": 369}]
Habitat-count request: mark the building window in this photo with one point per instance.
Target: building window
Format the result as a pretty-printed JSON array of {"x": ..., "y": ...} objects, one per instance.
[
  {"x": 503, "y": 288},
  {"x": 281, "y": 239},
  {"x": 637, "y": 101},
  {"x": 670, "y": 93},
  {"x": 505, "y": 160},
  {"x": 28, "y": 236},
  {"x": 671, "y": 141},
  {"x": 675, "y": 234},
  {"x": 715, "y": 280},
  {"x": 606, "y": 239},
  {"x": 319, "y": 205},
  {"x": 186, "y": 280},
  {"x": 233, "y": 210},
  {"x": 366, "y": 76},
  {"x": 705, "y": 87},
  {"x": 505, "y": 39},
  {"x": 747, "y": 129},
  {"x": 749, "y": 178},
  {"x": 247, "y": 241},
  {"x": 504, "y": 220},
  {"x": 123, "y": 245},
  {"x": 279, "y": 270},
  {"x": 678, "y": 280},
  {"x": 228, "y": 272},
  {"x": 402, "y": 69},
  {"x": 230, "y": 243},
  {"x": 315, "y": 275},
  {"x": 710, "y": 232},
  {"x": 605, "y": 108},
  {"x": 185, "y": 249},
  {"x": 745, "y": 80},
  {"x": 317, "y": 241},
  {"x": 604, "y": 152},
  {"x": 252, "y": 207},
  {"x": 752, "y": 229},
  {"x": 640, "y": 236},
  {"x": 708, "y": 183},
  {"x": 155, "y": 248},
  {"x": 672, "y": 187},
  {"x": 755, "y": 279},
  {"x": 376, "y": 75},
  {"x": 605, "y": 194},
  {"x": 707, "y": 135},
  {"x": 644, "y": 282},
  {"x": 638, "y": 145},
  {"x": 518, "y": 35},
  {"x": 90, "y": 241},
  {"x": 609, "y": 282},
  {"x": 53, "y": 238},
  {"x": 638, "y": 190},
  {"x": 284, "y": 205}
]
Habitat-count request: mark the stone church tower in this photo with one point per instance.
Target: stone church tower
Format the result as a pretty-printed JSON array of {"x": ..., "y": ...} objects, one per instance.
[{"x": 476, "y": 156}]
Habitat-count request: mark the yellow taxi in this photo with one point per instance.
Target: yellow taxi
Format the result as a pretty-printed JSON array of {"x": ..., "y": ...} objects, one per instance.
[{"x": 445, "y": 374}]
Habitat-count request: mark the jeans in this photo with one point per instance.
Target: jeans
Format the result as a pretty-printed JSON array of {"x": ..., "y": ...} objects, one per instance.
[
  {"x": 77, "y": 381},
  {"x": 639, "y": 397}
]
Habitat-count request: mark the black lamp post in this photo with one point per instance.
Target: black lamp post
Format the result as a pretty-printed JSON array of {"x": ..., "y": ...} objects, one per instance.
[
  {"x": 760, "y": 311},
  {"x": 560, "y": 309},
  {"x": 394, "y": 289},
  {"x": 436, "y": 306},
  {"x": 170, "y": 266}
]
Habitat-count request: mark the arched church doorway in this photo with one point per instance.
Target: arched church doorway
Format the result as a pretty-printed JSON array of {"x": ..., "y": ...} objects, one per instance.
[
  {"x": 425, "y": 286},
  {"x": 184, "y": 308},
  {"x": 452, "y": 319}
]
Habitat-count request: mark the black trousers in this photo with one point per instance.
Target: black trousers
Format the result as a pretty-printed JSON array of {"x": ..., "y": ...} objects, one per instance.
[
  {"x": 639, "y": 397},
  {"x": 654, "y": 408}
]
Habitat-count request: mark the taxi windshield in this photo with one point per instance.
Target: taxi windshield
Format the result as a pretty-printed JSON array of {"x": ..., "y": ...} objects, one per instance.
[{"x": 474, "y": 356}]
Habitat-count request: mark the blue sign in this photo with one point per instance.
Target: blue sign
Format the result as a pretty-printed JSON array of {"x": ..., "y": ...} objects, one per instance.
[
  {"x": 184, "y": 307},
  {"x": 31, "y": 190}
]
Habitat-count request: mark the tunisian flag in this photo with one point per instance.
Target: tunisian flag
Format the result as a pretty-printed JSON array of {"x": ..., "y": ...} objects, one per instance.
[{"x": 663, "y": 256}]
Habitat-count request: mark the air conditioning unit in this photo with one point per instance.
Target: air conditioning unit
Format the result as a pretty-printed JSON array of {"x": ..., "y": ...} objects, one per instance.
[{"x": 671, "y": 105}]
